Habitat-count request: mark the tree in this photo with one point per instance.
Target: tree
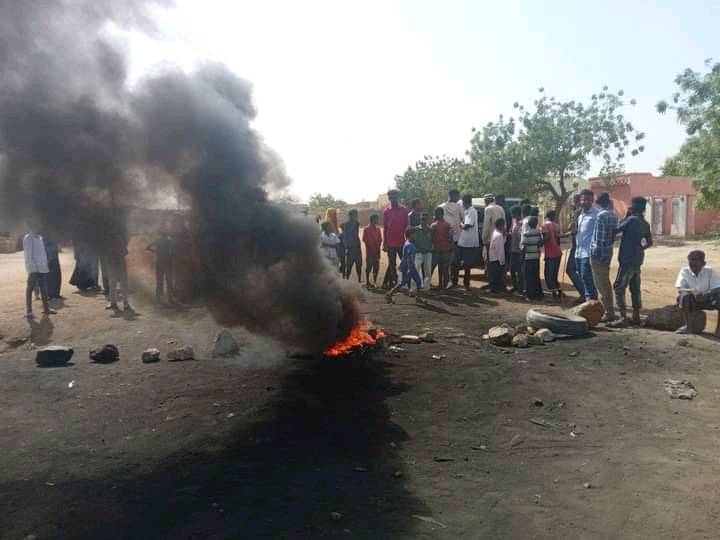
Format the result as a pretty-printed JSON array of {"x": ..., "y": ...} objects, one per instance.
[
  {"x": 554, "y": 140},
  {"x": 318, "y": 200},
  {"x": 697, "y": 106},
  {"x": 430, "y": 179}
]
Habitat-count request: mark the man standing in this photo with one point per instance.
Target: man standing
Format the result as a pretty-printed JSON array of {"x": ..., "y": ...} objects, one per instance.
[
  {"x": 493, "y": 212},
  {"x": 636, "y": 238},
  {"x": 415, "y": 213},
  {"x": 571, "y": 265},
  {"x": 583, "y": 243},
  {"x": 601, "y": 254},
  {"x": 36, "y": 264},
  {"x": 453, "y": 213},
  {"x": 113, "y": 259},
  {"x": 395, "y": 221},
  {"x": 468, "y": 242},
  {"x": 351, "y": 239},
  {"x": 698, "y": 288}
]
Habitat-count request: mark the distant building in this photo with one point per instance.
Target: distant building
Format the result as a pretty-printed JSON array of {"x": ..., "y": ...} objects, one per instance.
[{"x": 672, "y": 202}]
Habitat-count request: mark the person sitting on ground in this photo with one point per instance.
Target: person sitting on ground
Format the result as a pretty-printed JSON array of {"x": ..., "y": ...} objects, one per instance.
[
  {"x": 636, "y": 238},
  {"x": 698, "y": 289},
  {"x": 329, "y": 242},
  {"x": 372, "y": 238},
  {"x": 531, "y": 242},
  {"x": 424, "y": 246},
  {"x": 496, "y": 258},
  {"x": 442, "y": 240},
  {"x": 351, "y": 239},
  {"x": 407, "y": 266},
  {"x": 36, "y": 264},
  {"x": 553, "y": 252}
]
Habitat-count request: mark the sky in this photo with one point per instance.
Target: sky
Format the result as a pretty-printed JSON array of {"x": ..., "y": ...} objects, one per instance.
[{"x": 352, "y": 93}]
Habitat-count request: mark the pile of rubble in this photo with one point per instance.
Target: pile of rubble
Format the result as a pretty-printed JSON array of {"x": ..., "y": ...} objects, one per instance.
[{"x": 520, "y": 336}]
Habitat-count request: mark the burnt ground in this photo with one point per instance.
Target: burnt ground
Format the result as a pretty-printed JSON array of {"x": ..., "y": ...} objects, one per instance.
[{"x": 401, "y": 445}]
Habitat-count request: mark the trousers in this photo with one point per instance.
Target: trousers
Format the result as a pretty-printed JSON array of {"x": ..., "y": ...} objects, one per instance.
[{"x": 601, "y": 278}]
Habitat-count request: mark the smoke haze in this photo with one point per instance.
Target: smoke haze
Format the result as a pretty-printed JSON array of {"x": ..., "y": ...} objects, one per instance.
[{"x": 76, "y": 145}]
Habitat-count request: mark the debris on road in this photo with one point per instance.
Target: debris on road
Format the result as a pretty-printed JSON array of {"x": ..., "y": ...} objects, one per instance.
[
  {"x": 428, "y": 519},
  {"x": 587, "y": 485},
  {"x": 180, "y": 354},
  {"x": 438, "y": 356},
  {"x": 71, "y": 384},
  {"x": 680, "y": 389},
  {"x": 105, "y": 355},
  {"x": 225, "y": 344},
  {"x": 501, "y": 335},
  {"x": 408, "y": 338},
  {"x": 536, "y": 402},
  {"x": 336, "y": 516},
  {"x": 427, "y": 337},
  {"x": 54, "y": 355},
  {"x": 592, "y": 311},
  {"x": 150, "y": 356},
  {"x": 520, "y": 341},
  {"x": 546, "y": 335}
]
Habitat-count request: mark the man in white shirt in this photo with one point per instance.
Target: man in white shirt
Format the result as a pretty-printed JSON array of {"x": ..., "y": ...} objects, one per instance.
[
  {"x": 328, "y": 243},
  {"x": 698, "y": 289},
  {"x": 493, "y": 212},
  {"x": 468, "y": 242},
  {"x": 453, "y": 213},
  {"x": 36, "y": 265}
]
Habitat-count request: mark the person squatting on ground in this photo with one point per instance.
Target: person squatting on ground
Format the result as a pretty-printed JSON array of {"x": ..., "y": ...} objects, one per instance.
[
  {"x": 329, "y": 242},
  {"x": 351, "y": 240},
  {"x": 531, "y": 242},
  {"x": 36, "y": 265},
  {"x": 407, "y": 267},
  {"x": 553, "y": 253},
  {"x": 372, "y": 238},
  {"x": 698, "y": 288},
  {"x": 395, "y": 221},
  {"x": 496, "y": 257},
  {"x": 583, "y": 243},
  {"x": 453, "y": 213},
  {"x": 601, "y": 254},
  {"x": 468, "y": 243},
  {"x": 164, "y": 248},
  {"x": 442, "y": 242},
  {"x": 636, "y": 238},
  {"x": 424, "y": 246},
  {"x": 516, "y": 259}
]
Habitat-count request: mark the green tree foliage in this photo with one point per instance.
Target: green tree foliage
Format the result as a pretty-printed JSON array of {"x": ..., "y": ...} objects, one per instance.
[
  {"x": 697, "y": 106},
  {"x": 320, "y": 201},
  {"x": 552, "y": 140},
  {"x": 430, "y": 179}
]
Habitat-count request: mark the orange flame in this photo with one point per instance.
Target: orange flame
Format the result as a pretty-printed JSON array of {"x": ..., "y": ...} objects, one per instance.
[{"x": 357, "y": 340}]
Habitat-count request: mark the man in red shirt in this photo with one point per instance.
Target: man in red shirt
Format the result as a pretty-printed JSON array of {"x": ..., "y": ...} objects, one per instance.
[
  {"x": 395, "y": 221},
  {"x": 553, "y": 252},
  {"x": 442, "y": 234},
  {"x": 372, "y": 238}
]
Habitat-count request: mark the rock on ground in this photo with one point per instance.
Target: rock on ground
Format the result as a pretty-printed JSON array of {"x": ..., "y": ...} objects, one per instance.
[
  {"x": 105, "y": 355},
  {"x": 500, "y": 335},
  {"x": 545, "y": 334},
  {"x": 680, "y": 389},
  {"x": 520, "y": 341},
  {"x": 225, "y": 344},
  {"x": 592, "y": 311},
  {"x": 410, "y": 339},
  {"x": 54, "y": 355},
  {"x": 150, "y": 356},
  {"x": 670, "y": 318},
  {"x": 181, "y": 353}
]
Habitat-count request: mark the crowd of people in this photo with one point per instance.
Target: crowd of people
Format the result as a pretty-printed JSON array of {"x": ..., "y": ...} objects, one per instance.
[{"x": 509, "y": 244}]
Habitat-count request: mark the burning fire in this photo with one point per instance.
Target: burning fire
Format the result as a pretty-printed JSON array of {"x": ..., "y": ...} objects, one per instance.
[{"x": 363, "y": 335}]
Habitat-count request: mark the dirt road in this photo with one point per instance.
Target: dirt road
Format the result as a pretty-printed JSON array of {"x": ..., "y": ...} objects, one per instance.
[{"x": 484, "y": 443}]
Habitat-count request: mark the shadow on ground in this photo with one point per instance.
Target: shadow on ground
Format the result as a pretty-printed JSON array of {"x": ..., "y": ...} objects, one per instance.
[{"x": 331, "y": 447}]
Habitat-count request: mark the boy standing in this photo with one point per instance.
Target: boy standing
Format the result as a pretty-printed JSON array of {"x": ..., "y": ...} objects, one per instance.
[
  {"x": 351, "y": 239},
  {"x": 442, "y": 241},
  {"x": 372, "y": 238},
  {"x": 530, "y": 242},
  {"x": 516, "y": 260},
  {"x": 553, "y": 253},
  {"x": 329, "y": 242},
  {"x": 407, "y": 266},
  {"x": 496, "y": 257},
  {"x": 424, "y": 246},
  {"x": 36, "y": 265}
]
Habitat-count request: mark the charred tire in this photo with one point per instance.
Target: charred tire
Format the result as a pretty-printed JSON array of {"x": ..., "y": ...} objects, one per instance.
[{"x": 570, "y": 325}]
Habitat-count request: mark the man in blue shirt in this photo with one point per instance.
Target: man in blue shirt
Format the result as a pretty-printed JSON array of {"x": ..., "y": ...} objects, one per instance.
[
  {"x": 583, "y": 243},
  {"x": 601, "y": 251}
]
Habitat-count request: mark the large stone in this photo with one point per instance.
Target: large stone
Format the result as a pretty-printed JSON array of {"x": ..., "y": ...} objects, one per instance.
[
  {"x": 105, "y": 355},
  {"x": 545, "y": 334},
  {"x": 180, "y": 354},
  {"x": 54, "y": 355},
  {"x": 520, "y": 341},
  {"x": 500, "y": 335},
  {"x": 592, "y": 311},
  {"x": 670, "y": 318},
  {"x": 225, "y": 344},
  {"x": 535, "y": 340},
  {"x": 150, "y": 356}
]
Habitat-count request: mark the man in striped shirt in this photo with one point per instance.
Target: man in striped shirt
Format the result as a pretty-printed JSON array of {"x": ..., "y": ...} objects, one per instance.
[
  {"x": 530, "y": 243},
  {"x": 601, "y": 251}
]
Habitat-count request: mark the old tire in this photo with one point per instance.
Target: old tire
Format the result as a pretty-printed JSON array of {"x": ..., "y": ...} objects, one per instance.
[{"x": 567, "y": 324}]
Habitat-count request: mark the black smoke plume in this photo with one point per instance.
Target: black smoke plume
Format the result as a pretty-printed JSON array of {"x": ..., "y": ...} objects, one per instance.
[{"x": 77, "y": 145}]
